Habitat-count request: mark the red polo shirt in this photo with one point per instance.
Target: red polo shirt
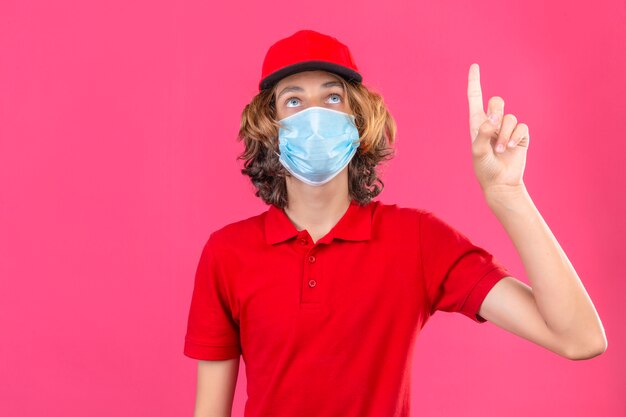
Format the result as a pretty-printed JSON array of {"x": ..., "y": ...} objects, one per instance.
[{"x": 328, "y": 328}]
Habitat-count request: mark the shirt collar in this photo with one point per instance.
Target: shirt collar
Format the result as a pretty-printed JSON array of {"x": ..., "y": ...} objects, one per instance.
[{"x": 355, "y": 224}]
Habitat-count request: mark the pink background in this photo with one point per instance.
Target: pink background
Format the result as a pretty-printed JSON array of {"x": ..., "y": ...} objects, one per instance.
[{"x": 118, "y": 125}]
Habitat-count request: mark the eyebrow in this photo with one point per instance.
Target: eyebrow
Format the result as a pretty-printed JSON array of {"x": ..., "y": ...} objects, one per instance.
[{"x": 300, "y": 89}]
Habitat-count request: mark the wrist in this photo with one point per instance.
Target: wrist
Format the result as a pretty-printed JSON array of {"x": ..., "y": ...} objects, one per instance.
[{"x": 506, "y": 196}]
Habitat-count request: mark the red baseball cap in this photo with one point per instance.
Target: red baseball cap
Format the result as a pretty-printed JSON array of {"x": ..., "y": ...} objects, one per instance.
[{"x": 307, "y": 50}]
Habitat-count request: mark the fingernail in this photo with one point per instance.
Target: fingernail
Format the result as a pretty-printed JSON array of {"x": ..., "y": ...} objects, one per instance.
[
  {"x": 511, "y": 143},
  {"x": 500, "y": 148}
]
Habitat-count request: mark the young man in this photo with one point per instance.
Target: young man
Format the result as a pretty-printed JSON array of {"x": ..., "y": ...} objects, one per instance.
[{"x": 325, "y": 293}]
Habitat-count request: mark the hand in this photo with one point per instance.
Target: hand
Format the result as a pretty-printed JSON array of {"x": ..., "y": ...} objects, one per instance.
[{"x": 496, "y": 170}]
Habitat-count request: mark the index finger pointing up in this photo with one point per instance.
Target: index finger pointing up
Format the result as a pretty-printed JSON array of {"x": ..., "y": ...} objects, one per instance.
[{"x": 475, "y": 96}]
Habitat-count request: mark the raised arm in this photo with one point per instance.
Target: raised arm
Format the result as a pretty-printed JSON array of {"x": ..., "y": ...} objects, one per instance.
[{"x": 555, "y": 311}]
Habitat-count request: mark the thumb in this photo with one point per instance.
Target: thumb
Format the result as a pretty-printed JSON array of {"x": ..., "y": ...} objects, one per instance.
[{"x": 488, "y": 130}]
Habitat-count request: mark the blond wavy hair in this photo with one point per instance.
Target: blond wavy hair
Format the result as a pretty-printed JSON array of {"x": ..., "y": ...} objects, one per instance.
[{"x": 259, "y": 133}]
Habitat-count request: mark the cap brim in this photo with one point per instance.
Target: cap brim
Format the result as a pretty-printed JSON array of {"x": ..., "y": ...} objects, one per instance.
[{"x": 347, "y": 73}]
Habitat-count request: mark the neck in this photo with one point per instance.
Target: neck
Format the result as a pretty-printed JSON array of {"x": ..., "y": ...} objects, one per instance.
[{"x": 317, "y": 209}]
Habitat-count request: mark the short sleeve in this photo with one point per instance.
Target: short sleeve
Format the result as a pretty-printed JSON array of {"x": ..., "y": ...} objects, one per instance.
[
  {"x": 212, "y": 334},
  {"x": 458, "y": 273}
]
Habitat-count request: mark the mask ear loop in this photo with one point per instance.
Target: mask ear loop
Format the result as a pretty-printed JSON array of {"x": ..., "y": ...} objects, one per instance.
[
  {"x": 277, "y": 154},
  {"x": 277, "y": 141}
]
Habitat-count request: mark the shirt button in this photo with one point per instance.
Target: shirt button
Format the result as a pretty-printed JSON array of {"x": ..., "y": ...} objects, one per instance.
[
  {"x": 303, "y": 241},
  {"x": 311, "y": 258},
  {"x": 312, "y": 283}
]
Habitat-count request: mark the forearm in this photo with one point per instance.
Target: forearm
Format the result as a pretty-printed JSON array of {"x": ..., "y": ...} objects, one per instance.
[{"x": 559, "y": 293}]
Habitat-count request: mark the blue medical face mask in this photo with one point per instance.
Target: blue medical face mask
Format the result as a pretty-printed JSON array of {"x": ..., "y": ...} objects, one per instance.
[{"x": 317, "y": 143}]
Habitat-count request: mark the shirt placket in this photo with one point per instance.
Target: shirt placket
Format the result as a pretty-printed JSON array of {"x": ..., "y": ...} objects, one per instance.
[{"x": 312, "y": 282}]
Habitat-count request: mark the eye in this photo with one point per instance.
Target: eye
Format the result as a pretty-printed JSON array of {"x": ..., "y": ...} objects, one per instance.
[
  {"x": 291, "y": 100},
  {"x": 335, "y": 95}
]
